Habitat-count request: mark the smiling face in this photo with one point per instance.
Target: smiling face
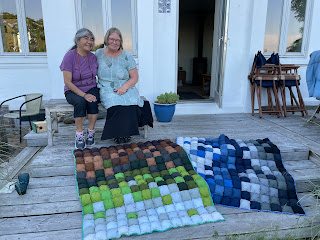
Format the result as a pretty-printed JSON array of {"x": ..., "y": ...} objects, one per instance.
[
  {"x": 114, "y": 42},
  {"x": 85, "y": 44}
]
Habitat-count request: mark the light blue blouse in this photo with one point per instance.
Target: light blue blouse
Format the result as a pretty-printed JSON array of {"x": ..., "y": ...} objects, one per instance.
[{"x": 112, "y": 74}]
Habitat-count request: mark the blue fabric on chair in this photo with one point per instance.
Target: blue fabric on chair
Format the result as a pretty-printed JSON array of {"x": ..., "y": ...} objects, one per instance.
[
  {"x": 265, "y": 84},
  {"x": 290, "y": 83}
]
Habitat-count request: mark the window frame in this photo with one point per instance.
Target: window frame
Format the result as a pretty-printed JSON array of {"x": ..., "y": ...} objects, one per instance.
[
  {"x": 107, "y": 20},
  {"x": 23, "y": 32},
  {"x": 284, "y": 31}
]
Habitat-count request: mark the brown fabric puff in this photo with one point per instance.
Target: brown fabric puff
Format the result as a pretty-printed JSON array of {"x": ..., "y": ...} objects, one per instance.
[
  {"x": 88, "y": 154},
  {"x": 81, "y": 167},
  {"x": 98, "y": 165},
  {"x": 79, "y": 160},
  {"x": 146, "y": 150},
  {"x": 88, "y": 159},
  {"x": 179, "y": 148},
  {"x": 97, "y": 158},
  {"x": 141, "y": 156},
  {"x": 96, "y": 154},
  {"x": 106, "y": 156},
  {"x": 108, "y": 171},
  {"x": 124, "y": 160},
  {"x": 156, "y": 154},
  {"x": 90, "y": 174},
  {"x": 89, "y": 167},
  {"x": 169, "y": 165},
  {"x": 151, "y": 162},
  {"x": 114, "y": 155},
  {"x": 115, "y": 161}
]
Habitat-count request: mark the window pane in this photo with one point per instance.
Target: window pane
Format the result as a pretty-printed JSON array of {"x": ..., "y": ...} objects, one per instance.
[
  {"x": 273, "y": 26},
  {"x": 92, "y": 19},
  {"x": 9, "y": 26},
  {"x": 296, "y": 25},
  {"x": 35, "y": 27},
  {"x": 121, "y": 19}
]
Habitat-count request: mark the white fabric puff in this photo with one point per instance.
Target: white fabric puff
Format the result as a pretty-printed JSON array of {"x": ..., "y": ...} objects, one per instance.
[
  {"x": 156, "y": 226},
  {"x": 173, "y": 187},
  {"x": 121, "y": 216},
  {"x": 160, "y": 210},
  {"x": 255, "y": 188},
  {"x": 186, "y": 221},
  {"x": 153, "y": 218},
  {"x": 130, "y": 207},
  {"x": 142, "y": 220},
  {"x": 179, "y": 141},
  {"x": 128, "y": 198},
  {"x": 207, "y": 217},
  {"x": 179, "y": 206},
  {"x": 217, "y": 216},
  {"x": 88, "y": 231},
  {"x": 157, "y": 202},
  {"x": 185, "y": 195},
  {"x": 145, "y": 228},
  {"x": 134, "y": 229},
  {"x": 153, "y": 185},
  {"x": 101, "y": 235},
  {"x": 100, "y": 227},
  {"x": 197, "y": 202},
  {"x": 216, "y": 150},
  {"x": 90, "y": 237},
  {"x": 112, "y": 233},
  {"x": 98, "y": 207},
  {"x": 148, "y": 204},
  {"x": 245, "y": 186},
  {"x": 99, "y": 221},
  {"x": 166, "y": 224},
  {"x": 169, "y": 208},
  {"x": 132, "y": 182},
  {"x": 151, "y": 212},
  {"x": 202, "y": 210},
  {"x": 121, "y": 209},
  {"x": 188, "y": 205},
  {"x": 172, "y": 215},
  {"x": 211, "y": 209},
  {"x": 122, "y": 222},
  {"x": 89, "y": 216},
  {"x": 140, "y": 206},
  {"x": 208, "y": 172},
  {"x": 193, "y": 157},
  {"x": 164, "y": 190},
  {"x": 176, "y": 222},
  {"x": 247, "y": 155},
  {"x": 88, "y": 223},
  {"x": 176, "y": 197},
  {"x": 111, "y": 212},
  {"x": 196, "y": 219},
  {"x": 208, "y": 160},
  {"x": 244, "y": 204},
  {"x": 123, "y": 230},
  {"x": 194, "y": 192},
  {"x": 112, "y": 225}
]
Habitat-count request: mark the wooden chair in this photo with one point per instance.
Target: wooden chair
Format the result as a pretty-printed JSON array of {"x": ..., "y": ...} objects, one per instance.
[
  {"x": 32, "y": 104},
  {"x": 289, "y": 78},
  {"x": 265, "y": 77}
]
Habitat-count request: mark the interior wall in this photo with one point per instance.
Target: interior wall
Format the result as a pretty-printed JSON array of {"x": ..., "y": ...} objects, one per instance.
[{"x": 208, "y": 41}]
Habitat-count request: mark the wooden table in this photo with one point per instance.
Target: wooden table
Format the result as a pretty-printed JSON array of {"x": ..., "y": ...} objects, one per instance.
[{"x": 205, "y": 78}]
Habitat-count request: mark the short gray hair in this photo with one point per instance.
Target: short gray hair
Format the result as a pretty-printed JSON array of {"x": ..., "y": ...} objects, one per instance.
[{"x": 79, "y": 34}]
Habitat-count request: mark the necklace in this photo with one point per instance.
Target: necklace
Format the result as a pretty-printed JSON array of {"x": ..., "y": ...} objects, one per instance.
[{"x": 80, "y": 67}]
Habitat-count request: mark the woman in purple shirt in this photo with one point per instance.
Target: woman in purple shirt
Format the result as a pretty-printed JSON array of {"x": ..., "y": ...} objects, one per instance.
[{"x": 79, "y": 67}]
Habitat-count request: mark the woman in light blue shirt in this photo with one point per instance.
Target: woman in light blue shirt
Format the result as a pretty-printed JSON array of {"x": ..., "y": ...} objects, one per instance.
[{"x": 117, "y": 77}]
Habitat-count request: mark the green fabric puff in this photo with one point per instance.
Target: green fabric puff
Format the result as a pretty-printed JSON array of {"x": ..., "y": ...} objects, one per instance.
[
  {"x": 192, "y": 212},
  {"x": 145, "y": 170},
  {"x": 135, "y": 165},
  {"x": 107, "y": 163},
  {"x": 99, "y": 215},
  {"x": 141, "y": 181},
  {"x": 192, "y": 172},
  {"x": 143, "y": 163},
  {"x": 158, "y": 179},
  {"x": 128, "y": 174},
  {"x": 196, "y": 176},
  {"x": 179, "y": 179},
  {"x": 146, "y": 194},
  {"x": 155, "y": 192},
  {"x": 201, "y": 182},
  {"x": 125, "y": 190},
  {"x": 112, "y": 181},
  {"x": 106, "y": 194},
  {"x": 191, "y": 184},
  {"x": 123, "y": 184},
  {"x": 155, "y": 174},
  {"x": 184, "y": 173},
  {"x": 166, "y": 199},
  {"x": 138, "y": 177},
  {"x": 83, "y": 191},
  {"x": 174, "y": 155},
  {"x": 85, "y": 199},
  {"x": 136, "y": 172},
  {"x": 205, "y": 195},
  {"x": 146, "y": 176},
  {"x": 132, "y": 215},
  {"x": 116, "y": 192},
  {"x": 164, "y": 173},
  {"x": 96, "y": 197},
  {"x": 102, "y": 183},
  {"x": 137, "y": 196},
  {"x": 118, "y": 201},
  {"x": 108, "y": 204},
  {"x": 170, "y": 181},
  {"x": 87, "y": 209},
  {"x": 181, "y": 169},
  {"x": 159, "y": 160},
  {"x": 119, "y": 175},
  {"x": 172, "y": 170},
  {"x": 94, "y": 189},
  {"x": 143, "y": 186},
  {"x": 120, "y": 180},
  {"x": 149, "y": 180},
  {"x": 134, "y": 188}
]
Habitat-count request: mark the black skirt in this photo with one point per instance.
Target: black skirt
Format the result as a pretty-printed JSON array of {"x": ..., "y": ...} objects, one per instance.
[{"x": 124, "y": 121}]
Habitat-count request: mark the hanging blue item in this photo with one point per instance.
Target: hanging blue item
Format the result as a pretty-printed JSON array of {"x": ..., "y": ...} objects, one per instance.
[{"x": 313, "y": 75}]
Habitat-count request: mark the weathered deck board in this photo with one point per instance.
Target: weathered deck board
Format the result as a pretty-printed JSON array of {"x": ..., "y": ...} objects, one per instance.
[{"x": 51, "y": 209}]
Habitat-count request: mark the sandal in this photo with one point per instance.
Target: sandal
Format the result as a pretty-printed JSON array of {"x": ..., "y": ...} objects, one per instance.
[
  {"x": 126, "y": 139},
  {"x": 117, "y": 140}
]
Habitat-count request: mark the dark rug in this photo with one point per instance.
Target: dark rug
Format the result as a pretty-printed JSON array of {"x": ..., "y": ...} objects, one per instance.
[{"x": 189, "y": 95}]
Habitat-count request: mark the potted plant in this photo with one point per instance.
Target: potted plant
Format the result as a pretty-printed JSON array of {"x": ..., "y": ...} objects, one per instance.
[{"x": 165, "y": 106}]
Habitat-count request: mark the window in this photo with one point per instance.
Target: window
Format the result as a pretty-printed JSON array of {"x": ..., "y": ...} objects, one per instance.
[
  {"x": 100, "y": 15},
  {"x": 287, "y": 27},
  {"x": 21, "y": 25}
]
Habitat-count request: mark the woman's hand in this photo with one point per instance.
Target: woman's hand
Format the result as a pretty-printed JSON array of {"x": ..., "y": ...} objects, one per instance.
[
  {"x": 89, "y": 97},
  {"x": 121, "y": 90}
]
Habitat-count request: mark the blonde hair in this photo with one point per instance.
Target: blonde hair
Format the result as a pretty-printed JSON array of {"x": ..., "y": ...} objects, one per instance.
[{"x": 111, "y": 31}]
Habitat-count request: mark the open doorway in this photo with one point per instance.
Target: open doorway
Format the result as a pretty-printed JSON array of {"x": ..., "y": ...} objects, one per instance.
[{"x": 195, "y": 49}]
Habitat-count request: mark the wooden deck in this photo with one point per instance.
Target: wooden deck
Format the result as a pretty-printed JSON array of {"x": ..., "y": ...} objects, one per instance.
[{"x": 51, "y": 208}]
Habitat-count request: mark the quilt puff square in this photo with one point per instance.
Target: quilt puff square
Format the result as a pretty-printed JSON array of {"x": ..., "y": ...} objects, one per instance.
[
  {"x": 157, "y": 202},
  {"x": 151, "y": 212},
  {"x": 153, "y": 185},
  {"x": 160, "y": 210},
  {"x": 87, "y": 224},
  {"x": 179, "y": 206},
  {"x": 186, "y": 220},
  {"x": 244, "y": 204},
  {"x": 112, "y": 233},
  {"x": 164, "y": 190},
  {"x": 188, "y": 204},
  {"x": 142, "y": 220},
  {"x": 202, "y": 210},
  {"x": 112, "y": 225},
  {"x": 98, "y": 207},
  {"x": 101, "y": 235},
  {"x": 128, "y": 198},
  {"x": 245, "y": 186},
  {"x": 153, "y": 218},
  {"x": 176, "y": 197},
  {"x": 169, "y": 208},
  {"x": 194, "y": 193},
  {"x": 111, "y": 212},
  {"x": 206, "y": 217},
  {"x": 89, "y": 237},
  {"x": 148, "y": 204},
  {"x": 120, "y": 210},
  {"x": 247, "y": 155},
  {"x": 145, "y": 228},
  {"x": 134, "y": 229},
  {"x": 166, "y": 224},
  {"x": 173, "y": 188},
  {"x": 185, "y": 195},
  {"x": 130, "y": 207},
  {"x": 196, "y": 219},
  {"x": 197, "y": 202},
  {"x": 156, "y": 226},
  {"x": 140, "y": 206},
  {"x": 122, "y": 216},
  {"x": 176, "y": 222},
  {"x": 123, "y": 230},
  {"x": 255, "y": 188},
  {"x": 172, "y": 215},
  {"x": 100, "y": 227},
  {"x": 123, "y": 222}
]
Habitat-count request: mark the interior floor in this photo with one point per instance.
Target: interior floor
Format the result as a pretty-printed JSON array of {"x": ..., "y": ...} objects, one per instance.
[{"x": 189, "y": 92}]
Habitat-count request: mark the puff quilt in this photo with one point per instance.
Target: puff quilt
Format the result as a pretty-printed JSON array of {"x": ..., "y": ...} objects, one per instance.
[
  {"x": 140, "y": 188},
  {"x": 243, "y": 174}
]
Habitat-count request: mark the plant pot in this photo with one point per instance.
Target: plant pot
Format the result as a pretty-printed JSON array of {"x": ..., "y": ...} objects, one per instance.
[{"x": 164, "y": 112}]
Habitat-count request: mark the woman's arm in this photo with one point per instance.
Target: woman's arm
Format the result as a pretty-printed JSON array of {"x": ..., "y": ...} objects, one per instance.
[
  {"x": 133, "y": 73},
  {"x": 67, "y": 76}
]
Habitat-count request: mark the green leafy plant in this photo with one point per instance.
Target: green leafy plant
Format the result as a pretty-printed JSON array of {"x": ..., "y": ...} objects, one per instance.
[{"x": 167, "y": 98}]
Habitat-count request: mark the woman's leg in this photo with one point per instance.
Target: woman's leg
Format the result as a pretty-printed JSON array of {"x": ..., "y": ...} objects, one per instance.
[
  {"x": 79, "y": 123},
  {"x": 92, "y": 110}
]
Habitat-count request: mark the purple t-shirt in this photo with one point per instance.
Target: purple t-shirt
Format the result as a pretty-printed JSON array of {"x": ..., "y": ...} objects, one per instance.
[{"x": 71, "y": 64}]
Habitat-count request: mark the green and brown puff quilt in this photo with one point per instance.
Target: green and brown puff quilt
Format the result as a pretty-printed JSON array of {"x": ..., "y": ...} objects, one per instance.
[{"x": 139, "y": 188}]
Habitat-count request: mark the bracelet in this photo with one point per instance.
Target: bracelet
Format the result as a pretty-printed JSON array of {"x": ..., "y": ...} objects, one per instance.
[{"x": 85, "y": 95}]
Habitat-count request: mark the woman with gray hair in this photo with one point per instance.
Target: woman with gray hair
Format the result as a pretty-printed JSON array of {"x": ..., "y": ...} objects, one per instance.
[
  {"x": 79, "y": 67},
  {"x": 117, "y": 77}
]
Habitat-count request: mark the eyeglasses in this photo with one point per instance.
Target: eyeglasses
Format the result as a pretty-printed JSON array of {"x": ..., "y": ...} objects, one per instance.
[
  {"x": 88, "y": 38},
  {"x": 114, "y": 40}
]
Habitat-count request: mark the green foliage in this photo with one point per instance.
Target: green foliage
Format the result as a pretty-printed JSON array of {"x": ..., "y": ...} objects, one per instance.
[{"x": 168, "y": 98}]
